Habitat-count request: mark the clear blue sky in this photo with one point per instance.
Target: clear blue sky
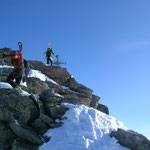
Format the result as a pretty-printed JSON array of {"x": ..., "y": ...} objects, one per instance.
[{"x": 106, "y": 44}]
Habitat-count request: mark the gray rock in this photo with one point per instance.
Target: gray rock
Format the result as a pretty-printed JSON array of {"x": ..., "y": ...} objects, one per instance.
[
  {"x": 42, "y": 124},
  {"x": 57, "y": 87},
  {"x": 18, "y": 144},
  {"x": 47, "y": 120},
  {"x": 75, "y": 94},
  {"x": 5, "y": 73},
  {"x": 56, "y": 73},
  {"x": 55, "y": 111},
  {"x": 94, "y": 101},
  {"x": 6, "y": 136},
  {"x": 24, "y": 132},
  {"x": 51, "y": 104},
  {"x": 39, "y": 126},
  {"x": 8, "y": 51},
  {"x": 12, "y": 104},
  {"x": 37, "y": 85},
  {"x": 131, "y": 139},
  {"x": 75, "y": 86},
  {"x": 75, "y": 101},
  {"x": 49, "y": 97},
  {"x": 47, "y": 93},
  {"x": 103, "y": 108},
  {"x": 72, "y": 96}
]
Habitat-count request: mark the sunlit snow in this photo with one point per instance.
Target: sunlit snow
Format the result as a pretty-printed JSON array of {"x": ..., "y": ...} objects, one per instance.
[
  {"x": 85, "y": 129},
  {"x": 4, "y": 85},
  {"x": 5, "y": 66},
  {"x": 40, "y": 75}
]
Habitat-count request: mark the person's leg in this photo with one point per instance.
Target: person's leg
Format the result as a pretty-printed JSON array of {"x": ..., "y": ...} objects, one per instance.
[
  {"x": 51, "y": 60},
  {"x": 11, "y": 77},
  {"x": 18, "y": 79},
  {"x": 48, "y": 59}
]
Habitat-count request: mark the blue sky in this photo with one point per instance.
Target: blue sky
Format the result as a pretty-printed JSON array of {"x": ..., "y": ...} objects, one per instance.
[{"x": 106, "y": 44}]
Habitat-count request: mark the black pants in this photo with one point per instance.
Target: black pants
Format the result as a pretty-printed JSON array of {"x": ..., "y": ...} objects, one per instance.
[
  {"x": 17, "y": 75},
  {"x": 49, "y": 59}
]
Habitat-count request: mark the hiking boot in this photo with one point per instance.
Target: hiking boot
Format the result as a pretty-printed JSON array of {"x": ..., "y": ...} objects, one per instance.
[{"x": 19, "y": 89}]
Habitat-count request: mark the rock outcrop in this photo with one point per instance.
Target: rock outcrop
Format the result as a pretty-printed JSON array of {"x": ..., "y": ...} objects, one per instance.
[
  {"x": 25, "y": 119},
  {"x": 131, "y": 139}
]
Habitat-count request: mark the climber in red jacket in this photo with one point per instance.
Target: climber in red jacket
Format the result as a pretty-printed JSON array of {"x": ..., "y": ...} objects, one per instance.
[{"x": 16, "y": 60}]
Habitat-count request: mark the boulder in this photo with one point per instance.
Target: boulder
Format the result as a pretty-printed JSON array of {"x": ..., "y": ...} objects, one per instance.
[
  {"x": 74, "y": 97},
  {"x": 131, "y": 139},
  {"x": 56, "y": 111},
  {"x": 42, "y": 124},
  {"x": 6, "y": 136},
  {"x": 36, "y": 85},
  {"x": 103, "y": 108},
  {"x": 56, "y": 73},
  {"x": 39, "y": 126},
  {"x": 37, "y": 103},
  {"x": 94, "y": 101},
  {"x": 57, "y": 87},
  {"x": 46, "y": 119},
  {"x": 47, "y": 94},
  {"x": 52, "y": 103},
  {"x": 5, "y": 73},
  {"x": 75, "y": 101},
  {"x": 12, "y": 104},
  {"x": 8, "y": 51},
  {"x": 24, "y": 132},
  {"x": 75, "y": 86},
  {"x": 19, "y": 144}
]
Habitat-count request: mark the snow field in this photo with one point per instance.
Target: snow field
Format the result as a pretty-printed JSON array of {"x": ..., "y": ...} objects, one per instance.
[{"x": 84, "y": 129}]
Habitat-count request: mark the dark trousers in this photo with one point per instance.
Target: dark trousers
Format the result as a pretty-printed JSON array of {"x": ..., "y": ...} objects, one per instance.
[
  {"x": 49, "y": 59},
  {"x": 17, "y": 75}
]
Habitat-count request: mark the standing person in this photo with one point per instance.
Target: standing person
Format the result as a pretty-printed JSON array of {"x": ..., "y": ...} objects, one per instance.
[
  {"x": 17, "y": 73},
  {"x": 48, "y": 54}
]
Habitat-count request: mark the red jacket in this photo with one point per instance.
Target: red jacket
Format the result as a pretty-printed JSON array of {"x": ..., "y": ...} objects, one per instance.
[{"x": 18, "y": 60}]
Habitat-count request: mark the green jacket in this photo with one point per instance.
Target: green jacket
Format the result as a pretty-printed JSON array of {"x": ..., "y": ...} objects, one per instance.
[{"x": 49, "y": 52}]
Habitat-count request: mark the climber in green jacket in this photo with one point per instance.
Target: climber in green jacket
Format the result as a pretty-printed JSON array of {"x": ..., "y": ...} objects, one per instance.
[{"x": 49, "y": 54}]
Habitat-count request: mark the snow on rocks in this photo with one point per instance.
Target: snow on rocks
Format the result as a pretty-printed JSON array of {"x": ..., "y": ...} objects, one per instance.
[
  {"x": 4, "y": 85},
  {"x": 5, "y": 66},
  {"x": 40, "y": 75}
]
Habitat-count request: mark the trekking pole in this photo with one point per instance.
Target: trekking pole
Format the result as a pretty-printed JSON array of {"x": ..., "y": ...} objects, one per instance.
[{"x": 44, "y": 59}]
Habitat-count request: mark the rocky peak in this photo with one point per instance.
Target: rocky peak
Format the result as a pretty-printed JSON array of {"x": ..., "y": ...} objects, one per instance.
[{"x": 25, "y": 118}]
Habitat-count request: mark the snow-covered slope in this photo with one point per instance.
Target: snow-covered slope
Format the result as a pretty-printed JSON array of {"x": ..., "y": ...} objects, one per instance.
[{"x": 84, "y": 129}]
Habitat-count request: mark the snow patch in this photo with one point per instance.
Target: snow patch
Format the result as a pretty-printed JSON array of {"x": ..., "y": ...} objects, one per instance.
[
  {"x": 40, "y": 75},
  {"x": 65, "y": 87},
  {"x": 24, "y": 93},
  {"x": 84, "y": 129},
  {"x": 5, "y": 66},
  {"x": 5, "y": 85},
  {"x": 58, "y": 95}
]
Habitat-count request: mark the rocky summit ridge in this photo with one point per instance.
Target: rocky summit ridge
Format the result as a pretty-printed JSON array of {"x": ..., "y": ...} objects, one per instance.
[{"x": 25, "y": 119}]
